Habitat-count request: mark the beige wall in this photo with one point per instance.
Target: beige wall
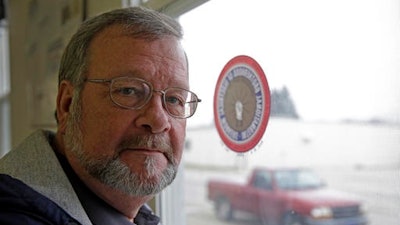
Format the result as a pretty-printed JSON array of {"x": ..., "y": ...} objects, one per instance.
[{"x": 39, "y": 30}]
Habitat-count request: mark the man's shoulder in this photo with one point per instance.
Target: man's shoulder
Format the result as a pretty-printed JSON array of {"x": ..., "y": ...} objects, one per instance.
[
  {"x": 34, "y": 164},
  {"x": 35, "y": 145},
  {"x": 20, "y": 204}
]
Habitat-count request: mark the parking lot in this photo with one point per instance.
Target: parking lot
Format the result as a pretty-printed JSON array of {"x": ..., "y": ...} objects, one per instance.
[
  {"x": 375, "y": 187},
  {"x": 358, "y": 159}
]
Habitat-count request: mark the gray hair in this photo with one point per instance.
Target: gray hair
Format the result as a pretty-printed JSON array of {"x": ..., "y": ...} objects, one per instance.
[{"x": 137, "y": 22}]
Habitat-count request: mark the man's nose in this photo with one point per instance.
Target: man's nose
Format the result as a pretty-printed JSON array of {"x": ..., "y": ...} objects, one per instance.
[{"x": 154, "y": 116}]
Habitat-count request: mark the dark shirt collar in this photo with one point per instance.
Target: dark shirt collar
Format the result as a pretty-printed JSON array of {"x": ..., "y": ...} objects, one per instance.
[{"x": 99, "y": 212}]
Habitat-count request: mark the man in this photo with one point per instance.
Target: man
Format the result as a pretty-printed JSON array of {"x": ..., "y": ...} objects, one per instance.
[{"x": 122, "y": 105}]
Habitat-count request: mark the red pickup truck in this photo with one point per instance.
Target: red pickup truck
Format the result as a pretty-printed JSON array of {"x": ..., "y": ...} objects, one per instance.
[{"x": 295, "y": 196}]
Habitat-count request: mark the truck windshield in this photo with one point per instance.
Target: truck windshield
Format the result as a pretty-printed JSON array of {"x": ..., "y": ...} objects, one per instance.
[{"x": 297, "y": 179}]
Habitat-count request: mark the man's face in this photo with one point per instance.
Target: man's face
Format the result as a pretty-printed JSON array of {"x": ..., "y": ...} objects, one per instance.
[{"x": 135, "y": 151}]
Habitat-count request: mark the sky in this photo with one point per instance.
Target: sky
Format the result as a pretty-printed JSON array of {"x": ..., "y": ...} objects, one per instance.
[{"x": 339, "y": 59}]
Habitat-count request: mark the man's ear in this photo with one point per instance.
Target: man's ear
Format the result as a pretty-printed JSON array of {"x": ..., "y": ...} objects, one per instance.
[{"x": 64, "y": 100}]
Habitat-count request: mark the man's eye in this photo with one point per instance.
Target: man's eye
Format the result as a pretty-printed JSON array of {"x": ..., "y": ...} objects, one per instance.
[
  {"x": 173, "y": 100},
  {"x": 128, "y": 91}
]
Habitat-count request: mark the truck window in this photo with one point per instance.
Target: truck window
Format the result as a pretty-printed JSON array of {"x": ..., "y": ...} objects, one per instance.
[
  {"x": 297, "y": 179},
  {"x": 262, "y": 181}
]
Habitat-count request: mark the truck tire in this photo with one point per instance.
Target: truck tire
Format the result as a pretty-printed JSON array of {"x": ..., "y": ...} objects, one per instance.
[{"x": 223, "y": 209}]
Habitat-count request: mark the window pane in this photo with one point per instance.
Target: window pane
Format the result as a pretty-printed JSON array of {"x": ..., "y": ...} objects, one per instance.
[{"x": 333, "y": 71}]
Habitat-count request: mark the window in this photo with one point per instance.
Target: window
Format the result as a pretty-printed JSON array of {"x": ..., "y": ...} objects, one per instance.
[
  {"x": 297, "y": 179},
  {"x": 4, "y": 86},
  {"x": 337, "y": 63},
  {"x": 263, "y": 181}
]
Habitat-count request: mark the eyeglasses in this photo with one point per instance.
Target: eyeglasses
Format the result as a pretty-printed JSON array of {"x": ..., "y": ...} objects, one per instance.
[{"x": 134, "y": 93}]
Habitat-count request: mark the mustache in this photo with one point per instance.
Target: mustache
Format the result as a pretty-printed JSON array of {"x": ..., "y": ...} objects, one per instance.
[{"x": 159, "y": 142}]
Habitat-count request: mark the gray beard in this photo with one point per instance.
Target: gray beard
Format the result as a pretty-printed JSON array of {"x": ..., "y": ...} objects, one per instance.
[
  {"x": 112, "y": 172},
  {"x": 115, "y": 174}
]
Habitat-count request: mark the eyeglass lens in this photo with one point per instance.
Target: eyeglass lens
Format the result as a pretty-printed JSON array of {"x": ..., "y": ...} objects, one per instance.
[
  {"x": 134, "y": 93},
  {"x": 130, "y": 93}
]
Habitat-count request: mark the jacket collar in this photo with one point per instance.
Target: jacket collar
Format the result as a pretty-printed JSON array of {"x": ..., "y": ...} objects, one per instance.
[{"x": 39, "y": 168}]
